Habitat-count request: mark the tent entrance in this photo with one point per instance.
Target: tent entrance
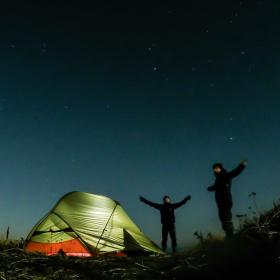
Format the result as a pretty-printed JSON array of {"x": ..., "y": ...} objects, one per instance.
[
  {"x": 54, "y": 236},
  {"x": 70, "y": 248}
]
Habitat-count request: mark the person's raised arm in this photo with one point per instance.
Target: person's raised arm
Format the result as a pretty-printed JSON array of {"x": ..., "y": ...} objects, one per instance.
[
  {"x": 152, "y": 204},
  {"x": 182, "y": 202},
  {"x": 211, "y": 188},
  {"x": 235, "y": 172}
]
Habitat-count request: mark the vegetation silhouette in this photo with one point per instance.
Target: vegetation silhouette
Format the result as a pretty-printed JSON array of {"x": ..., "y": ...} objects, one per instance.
[{"x": 253, "y": 251}]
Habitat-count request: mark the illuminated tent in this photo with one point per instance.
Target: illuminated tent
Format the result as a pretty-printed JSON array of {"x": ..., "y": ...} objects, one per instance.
[{"x": 84, "y": 224}]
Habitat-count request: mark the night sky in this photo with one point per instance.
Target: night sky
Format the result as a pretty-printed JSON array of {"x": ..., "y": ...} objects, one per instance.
[{"x": 131, "y": 98}]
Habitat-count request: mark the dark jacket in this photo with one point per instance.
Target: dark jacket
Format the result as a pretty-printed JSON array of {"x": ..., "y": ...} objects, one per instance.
[
  {"x": 166, "y": 209},
  {"x": 222, "y": 186}
]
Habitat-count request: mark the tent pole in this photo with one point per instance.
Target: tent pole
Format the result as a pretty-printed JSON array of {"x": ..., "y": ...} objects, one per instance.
[
  {"x": 106, "y": 226},
  {"x": 82, "y": 241}
]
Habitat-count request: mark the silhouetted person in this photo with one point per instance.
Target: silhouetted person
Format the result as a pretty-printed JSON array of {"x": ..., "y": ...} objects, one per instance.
[
  {"x": 222, "y": 188},
  {"x": 167, "y": 218}
]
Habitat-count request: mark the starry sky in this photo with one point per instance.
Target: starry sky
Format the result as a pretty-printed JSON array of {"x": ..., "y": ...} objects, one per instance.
[{"x": 130, "y": 98}]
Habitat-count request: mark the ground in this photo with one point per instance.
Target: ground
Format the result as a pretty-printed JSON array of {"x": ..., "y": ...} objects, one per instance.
[{"x": 253, "y": 252}]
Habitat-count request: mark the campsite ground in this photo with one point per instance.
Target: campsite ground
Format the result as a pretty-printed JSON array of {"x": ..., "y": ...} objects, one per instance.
[
  {"x": 253, "y": 252},
  {"x": 216, "y": 260}
]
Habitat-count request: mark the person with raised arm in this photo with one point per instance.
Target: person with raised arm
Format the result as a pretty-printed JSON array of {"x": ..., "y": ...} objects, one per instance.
[
  {"x": 222, "y": 189},
  {"x": 167, "y": 218}
]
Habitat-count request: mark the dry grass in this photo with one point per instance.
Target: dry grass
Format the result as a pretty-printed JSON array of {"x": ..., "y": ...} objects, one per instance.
[{"x": 254, "y": 250}]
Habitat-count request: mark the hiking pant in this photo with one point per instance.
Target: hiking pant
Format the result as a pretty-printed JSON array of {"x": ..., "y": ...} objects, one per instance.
[
  {"x": 225, "y": 218},
  {"x": 169, "y": 228}
]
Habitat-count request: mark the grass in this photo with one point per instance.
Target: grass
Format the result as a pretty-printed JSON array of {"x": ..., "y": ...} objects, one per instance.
[{"x": 254, "y": 250}]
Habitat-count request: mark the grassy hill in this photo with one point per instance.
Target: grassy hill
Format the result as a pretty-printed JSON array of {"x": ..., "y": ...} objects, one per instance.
[{"x": 253, "y": 252}]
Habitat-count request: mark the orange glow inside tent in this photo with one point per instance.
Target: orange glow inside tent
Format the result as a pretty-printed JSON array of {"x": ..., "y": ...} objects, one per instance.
[{"x": 70, "y": 248}]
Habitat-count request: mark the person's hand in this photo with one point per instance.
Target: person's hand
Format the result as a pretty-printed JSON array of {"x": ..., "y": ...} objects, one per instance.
[
  {"x": 244, "y": 162},
  {"x": 188, "y": 197},
  {"x": 141, "y": 198}
]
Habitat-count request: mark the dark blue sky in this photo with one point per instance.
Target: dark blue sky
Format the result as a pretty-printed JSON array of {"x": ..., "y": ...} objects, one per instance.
[{"x": 134, "y": 99}]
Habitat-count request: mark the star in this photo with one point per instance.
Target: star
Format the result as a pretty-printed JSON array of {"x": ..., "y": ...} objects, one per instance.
[
  {"x": 44, "y": 48},
  {"x": 155, "y": 68}
]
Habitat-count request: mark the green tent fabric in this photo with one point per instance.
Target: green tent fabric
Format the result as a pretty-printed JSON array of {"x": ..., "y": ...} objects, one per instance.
[{"x": 84, "y": 224}]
